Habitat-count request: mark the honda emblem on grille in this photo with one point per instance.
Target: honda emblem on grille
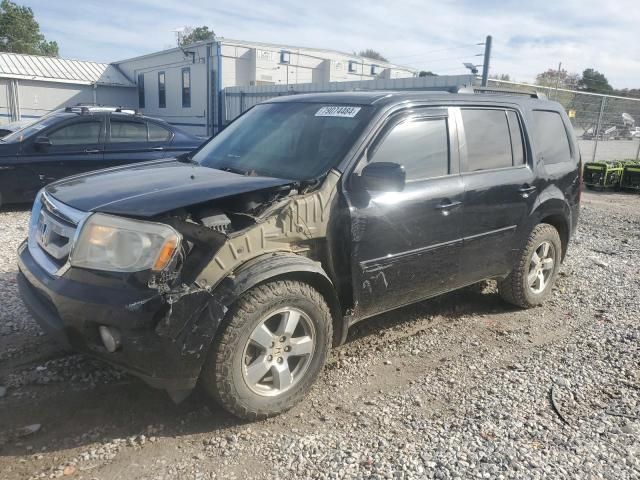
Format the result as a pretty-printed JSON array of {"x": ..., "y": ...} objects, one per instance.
[{"x": 44, "y": 234}]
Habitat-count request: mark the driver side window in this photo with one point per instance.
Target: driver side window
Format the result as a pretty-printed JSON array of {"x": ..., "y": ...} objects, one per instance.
[
  {"x": 79, "y": 133},
  {"x": 420, "y": 145}
]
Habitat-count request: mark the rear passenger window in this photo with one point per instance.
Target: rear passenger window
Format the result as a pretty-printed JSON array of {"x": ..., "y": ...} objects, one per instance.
[
  {"x": 517, "y": 145},
  {"x": 550, "y": 135},
  {"x": 421, "y": 146},
  {"x": 488, "y": 139},
  {"x": 123, "y": 131}
]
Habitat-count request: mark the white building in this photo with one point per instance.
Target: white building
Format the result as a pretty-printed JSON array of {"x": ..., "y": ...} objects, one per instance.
[
  {"x": 32, "y": 85},
  {"x": 184, "y": 86}
]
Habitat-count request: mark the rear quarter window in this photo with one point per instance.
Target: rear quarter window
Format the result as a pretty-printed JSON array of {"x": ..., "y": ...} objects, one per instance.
[{"x": 550, "y": 137}]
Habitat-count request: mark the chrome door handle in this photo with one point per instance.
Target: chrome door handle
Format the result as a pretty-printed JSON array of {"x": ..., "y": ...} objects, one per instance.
[
  {"x": 445, "y": 208},
  {"x": 526, "y": 191},
  {"x": 92, "y": 150}
]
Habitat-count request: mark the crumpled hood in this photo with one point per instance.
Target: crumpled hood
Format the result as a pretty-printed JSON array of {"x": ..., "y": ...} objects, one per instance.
[{"x": 151, "y": 188}]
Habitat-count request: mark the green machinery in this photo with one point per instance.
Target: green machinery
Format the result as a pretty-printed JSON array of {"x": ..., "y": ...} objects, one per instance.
[
  {"x": 630, "y": 179},
  {"x": 620, "y": 174},
  {"x": 601, "y": 175}
]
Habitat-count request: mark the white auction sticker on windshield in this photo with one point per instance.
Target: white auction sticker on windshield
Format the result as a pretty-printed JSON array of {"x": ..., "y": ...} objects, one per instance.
[{"x": 338, "y": 111}]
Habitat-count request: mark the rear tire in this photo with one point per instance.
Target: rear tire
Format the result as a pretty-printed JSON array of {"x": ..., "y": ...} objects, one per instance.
[
  {"x": 531, "y": 281},
  {"x": 270, "y": 349}
]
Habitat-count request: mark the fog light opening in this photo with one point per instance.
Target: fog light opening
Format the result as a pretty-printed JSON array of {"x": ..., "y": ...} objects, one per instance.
[{"x": 110, "y": 338}]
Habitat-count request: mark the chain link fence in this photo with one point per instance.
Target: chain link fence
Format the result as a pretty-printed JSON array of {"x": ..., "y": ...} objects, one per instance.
[{"x": 607, "y": 126}]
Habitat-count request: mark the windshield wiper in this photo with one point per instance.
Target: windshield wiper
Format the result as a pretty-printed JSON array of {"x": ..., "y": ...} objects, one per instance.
[
  {"x": 233, "y": 170},
  {"x": 186, "y": 159}
]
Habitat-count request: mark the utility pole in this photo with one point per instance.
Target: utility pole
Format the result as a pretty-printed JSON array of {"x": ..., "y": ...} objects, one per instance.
[
  {"x": 558, "y": 79},
  {"x": 603, "y": 103},
  {"x": 487, "y": 58}
]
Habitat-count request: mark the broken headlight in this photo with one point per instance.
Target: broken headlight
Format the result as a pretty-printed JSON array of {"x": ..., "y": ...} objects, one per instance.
[{"x": 118, "y": 244}]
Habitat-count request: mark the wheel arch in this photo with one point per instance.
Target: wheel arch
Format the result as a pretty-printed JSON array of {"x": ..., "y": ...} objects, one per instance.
[
  {"x": 557, "y": 213},
  {"x": 561, "y": 224},
  {"x": 277, "y": 266}
]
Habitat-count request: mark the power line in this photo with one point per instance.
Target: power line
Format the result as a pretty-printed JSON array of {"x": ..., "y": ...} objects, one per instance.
[
  {"x": 435, "y": 60},
  {"x": 434, "y": 51}
]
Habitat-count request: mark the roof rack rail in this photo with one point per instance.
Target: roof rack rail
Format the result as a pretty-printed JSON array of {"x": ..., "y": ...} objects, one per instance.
[
  {"x": 132, "y": 111},
  {"x": 81, "y": 108},
  {"x": 507, "y": 91},
  {"x": 94, "y": 108}
]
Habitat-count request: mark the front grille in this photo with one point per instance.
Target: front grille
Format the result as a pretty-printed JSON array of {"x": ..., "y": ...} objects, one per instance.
[
  {"x": 52, "y": 230},
  {"x": 54, "y": 236}
]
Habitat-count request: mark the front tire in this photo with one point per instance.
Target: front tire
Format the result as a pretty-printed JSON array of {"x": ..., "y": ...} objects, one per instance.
[
  {"x": 531, "y": 281},
  {"x": 270, "y": 349}
]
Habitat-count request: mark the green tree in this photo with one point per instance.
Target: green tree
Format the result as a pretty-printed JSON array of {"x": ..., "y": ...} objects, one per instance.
[
  {"x": 629, "y": 92},
  {"x": 562, "y": 78},
  {"x": 193, "y": 35},
  {"x": 20, "y": 33},
  {"x": 501, "y": 76},
  {"x": 424, "y": 73},
  {"x": 594, "y": 81},
  {"x": 372, "y": 54}
]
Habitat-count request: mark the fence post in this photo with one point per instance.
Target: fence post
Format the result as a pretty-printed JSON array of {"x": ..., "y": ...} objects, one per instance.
[
  {"x": 597, "y": 129},
  {"x": 638, "y": 151}
]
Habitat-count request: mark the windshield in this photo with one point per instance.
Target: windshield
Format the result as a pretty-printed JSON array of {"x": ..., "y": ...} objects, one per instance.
[
  {"x": 298, "y": 141},
  {"x": 33, "y": 128}
]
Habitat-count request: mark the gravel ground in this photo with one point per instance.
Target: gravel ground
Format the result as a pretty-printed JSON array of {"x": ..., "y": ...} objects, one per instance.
[{"x": 462, "y": 386}]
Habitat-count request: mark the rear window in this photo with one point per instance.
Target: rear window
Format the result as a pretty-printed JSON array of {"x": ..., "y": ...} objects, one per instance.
[
  {"x": 550, "y": 135},
  {"x": 488, "y": 139}
]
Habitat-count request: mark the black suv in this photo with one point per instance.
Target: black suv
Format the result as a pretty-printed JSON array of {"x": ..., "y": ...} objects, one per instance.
[
  {"x": 240, "y": 265},
  {"x": 80, "y": 139}
]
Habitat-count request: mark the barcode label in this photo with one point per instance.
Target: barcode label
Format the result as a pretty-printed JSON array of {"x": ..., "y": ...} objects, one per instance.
[{"x": 338, "y": 111}]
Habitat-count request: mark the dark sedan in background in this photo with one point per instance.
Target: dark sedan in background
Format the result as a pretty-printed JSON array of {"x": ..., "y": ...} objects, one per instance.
[{"x": 80, "y": 139}]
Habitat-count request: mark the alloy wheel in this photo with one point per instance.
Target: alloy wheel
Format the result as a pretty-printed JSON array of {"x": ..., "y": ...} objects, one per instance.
[
  {"x": 541, "y": 267},
  {"x": 278, "y": 351}
]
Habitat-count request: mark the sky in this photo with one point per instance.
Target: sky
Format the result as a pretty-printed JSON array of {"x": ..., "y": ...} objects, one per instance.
[{"x": 528, "y": 37}]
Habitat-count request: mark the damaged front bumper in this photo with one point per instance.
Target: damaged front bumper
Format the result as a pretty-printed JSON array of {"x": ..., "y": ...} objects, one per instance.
[{"x": 164, "y": 337}]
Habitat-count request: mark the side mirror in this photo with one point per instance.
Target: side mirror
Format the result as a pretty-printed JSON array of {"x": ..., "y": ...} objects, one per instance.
[
  {"x": 42, "y": 142},
  {"x": 383, "y": 177}
]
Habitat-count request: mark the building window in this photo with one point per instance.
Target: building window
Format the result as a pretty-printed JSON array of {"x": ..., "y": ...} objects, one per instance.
[
  {"x": 374, "y": 69},
  {"x": 285, "y": 57},
  {"x": 352, "y": 66},
  {"x": 162, "y": 90},
  {"x": 141, "y": 90},
  {"x": 186, "y": 87}
]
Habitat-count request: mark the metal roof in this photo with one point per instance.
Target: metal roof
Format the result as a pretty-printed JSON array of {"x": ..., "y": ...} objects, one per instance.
[
  {"x": 321, "y": 52},
  {"x": 52, "y": 69}
]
